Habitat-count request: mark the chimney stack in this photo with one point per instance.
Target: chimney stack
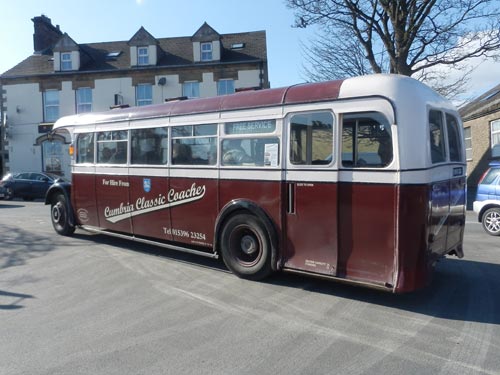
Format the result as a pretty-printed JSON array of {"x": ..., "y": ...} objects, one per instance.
[{"x": 46, "y": 35}]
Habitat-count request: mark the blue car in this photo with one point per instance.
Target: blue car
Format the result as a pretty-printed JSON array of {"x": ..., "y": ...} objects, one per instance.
[
  {"x": 26, "y": 185},
  {"x": 487, "y": 203}
]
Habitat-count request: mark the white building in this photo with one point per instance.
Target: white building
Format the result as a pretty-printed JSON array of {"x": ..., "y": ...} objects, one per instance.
[{"x": 63, "y": 77}]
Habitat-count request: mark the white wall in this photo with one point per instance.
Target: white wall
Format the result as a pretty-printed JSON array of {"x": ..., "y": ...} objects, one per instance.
[
  {"x": 247, "y": 78},
  {"x": 103, "y": 95},
  {"x": 25, "y": 109},
  {"x": 208, "y": 87}
]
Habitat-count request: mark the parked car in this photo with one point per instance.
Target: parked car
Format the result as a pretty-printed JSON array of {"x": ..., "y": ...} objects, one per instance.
[
  {"x": 26, "y": 185},
  {"x": 487, "y": 203}
]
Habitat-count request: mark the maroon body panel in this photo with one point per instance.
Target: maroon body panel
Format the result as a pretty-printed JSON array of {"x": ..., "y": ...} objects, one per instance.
[
  {"x": 413, "y": 250},
  {"x": 154, "y": 224},
  {"x": 264, "y": 194},
  {"x": 367, "y": 230},
  {"x": 193, "y": 222},
  {"x": 83, "y": 195},
  {"x": 113, "y": 203}
]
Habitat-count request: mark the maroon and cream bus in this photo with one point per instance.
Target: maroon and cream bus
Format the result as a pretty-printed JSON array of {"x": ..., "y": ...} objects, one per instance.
[{"x": 360, "y": 180}]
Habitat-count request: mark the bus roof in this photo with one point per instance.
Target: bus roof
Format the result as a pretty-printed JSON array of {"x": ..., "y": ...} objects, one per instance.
[{"x": 389, "y": 86}]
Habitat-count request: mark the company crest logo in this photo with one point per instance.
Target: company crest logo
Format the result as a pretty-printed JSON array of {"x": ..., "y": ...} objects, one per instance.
[{"x": 146, "y": 184}]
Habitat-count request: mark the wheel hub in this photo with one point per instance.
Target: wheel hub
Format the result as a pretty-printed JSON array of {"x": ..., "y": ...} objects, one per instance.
[
  {"x": 248, "y": 245},
  {"x": 56, "y": 213}
]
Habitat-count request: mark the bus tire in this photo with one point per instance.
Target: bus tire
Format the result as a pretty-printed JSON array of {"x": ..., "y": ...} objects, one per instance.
[
  {"x": 245, "y": 247},
  {"x": 491, "y": 221},
  {"x": 59, "y": 216}
]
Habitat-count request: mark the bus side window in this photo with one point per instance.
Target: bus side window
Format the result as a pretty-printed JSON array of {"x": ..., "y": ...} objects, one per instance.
[
  {"x": 85, "y": 148},
  {"x": 147, "y": 146},
  {"x": 436, "y": 137},
  {"x": 194, "y": 144},
  {"x": 112, "y": 147},
  {"x": 259, "y": 152},
  {"x": 454, "y": 144},
  {"x": 311, "y": 138},
  {"x": 366, "y": 141}
]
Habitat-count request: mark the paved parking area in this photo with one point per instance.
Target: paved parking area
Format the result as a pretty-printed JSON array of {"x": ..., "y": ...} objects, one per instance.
[{"x": 97, "y": 305}]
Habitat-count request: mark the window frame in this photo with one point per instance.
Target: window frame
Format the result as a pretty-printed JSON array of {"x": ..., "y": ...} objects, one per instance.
[
  {"x": 142, "y": 58},
  {"x": 360, "y": 119},
  {"x": 442, "y": 147},
  {"x": 66, "y": 64},
  {"x": 309, "y": 153},
  {"x": 79, "y": 103},
  {"x": 49, "y": 105},
  {"x": 222, "y": 88},
  {"x": 141, "y": 98},
  {"x": 191, "y": 85},
  {"x": 494, "y": 134},
  {"x": 467, "y": 142},
  {"x": 206, "y": 54},
  {"x": 191, "y": 134}
]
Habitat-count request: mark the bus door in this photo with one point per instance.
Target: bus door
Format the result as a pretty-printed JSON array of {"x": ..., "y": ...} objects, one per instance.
[
  {"x": 367, "y": 195},
  {"x": 112, "y": 182},
  {"x": 311, "y": 194},
  {"x": 83, "y": 192},
  {"x": 193, "y": 189}
]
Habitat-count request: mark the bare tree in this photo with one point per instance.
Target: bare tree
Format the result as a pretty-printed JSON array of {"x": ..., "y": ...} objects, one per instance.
[{"x": 409, "y": 37}]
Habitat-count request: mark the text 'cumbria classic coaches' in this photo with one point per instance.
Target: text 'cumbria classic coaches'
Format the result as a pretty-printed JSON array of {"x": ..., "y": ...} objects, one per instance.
[{"x": 360, "y": 180}]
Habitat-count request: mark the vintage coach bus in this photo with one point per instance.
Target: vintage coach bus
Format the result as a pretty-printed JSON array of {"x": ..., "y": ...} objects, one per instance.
[{"x": 360, "y": 180}]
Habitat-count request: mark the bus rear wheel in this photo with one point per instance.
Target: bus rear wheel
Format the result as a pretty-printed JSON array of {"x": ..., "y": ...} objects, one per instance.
[
  {"x": 59, "y": 215},
  {"x": 246, "y": 248}
]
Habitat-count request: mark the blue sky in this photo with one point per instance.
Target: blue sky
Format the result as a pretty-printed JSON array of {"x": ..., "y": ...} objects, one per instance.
[{"x": 93, "y": 21}]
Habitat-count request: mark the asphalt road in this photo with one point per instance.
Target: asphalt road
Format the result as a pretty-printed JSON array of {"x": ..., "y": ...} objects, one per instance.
[{"x": 92, "y": 304}]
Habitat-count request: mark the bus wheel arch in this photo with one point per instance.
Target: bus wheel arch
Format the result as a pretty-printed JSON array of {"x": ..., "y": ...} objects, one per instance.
[{"x": 247, "y": 240}]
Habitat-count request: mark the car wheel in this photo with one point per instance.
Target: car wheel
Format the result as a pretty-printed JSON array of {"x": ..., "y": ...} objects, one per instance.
[
  {"x": 60, "y": 217},
  {"x": 491, "y": 221},
  {"x": 246, "y": 248},
  {"x": 9, "y": 194}
]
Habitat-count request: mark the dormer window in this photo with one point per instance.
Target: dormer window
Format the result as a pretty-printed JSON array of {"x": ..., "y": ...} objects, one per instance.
[
  {"x": 206, "y": 51},
  {"x": 142, "y": 56},
  {"x": 66, "y": 63}
]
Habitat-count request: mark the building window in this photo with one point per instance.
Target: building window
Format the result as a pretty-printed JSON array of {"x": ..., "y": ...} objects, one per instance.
[
  {"x": 50, "y": 105},
  {"x": 206, "y": 51},
  {"x": 144, "y": 94},
  {"x": 84, "y": 100},
  {"x": 495, "y": 138},
  {"x": 66, "y": 63},
  {"x": 52, "y": 154},
  {"x": 142, "y": 56},
  {"x": 191, "y": 89},
  {"x": 468, "y": 143},
  {"x": 225, "y": 87}
]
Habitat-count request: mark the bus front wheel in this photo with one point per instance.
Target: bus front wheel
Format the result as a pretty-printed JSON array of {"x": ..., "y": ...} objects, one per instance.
[
  {"x": 59, "y": 216},
  {"x": 246, "y": 248}
]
